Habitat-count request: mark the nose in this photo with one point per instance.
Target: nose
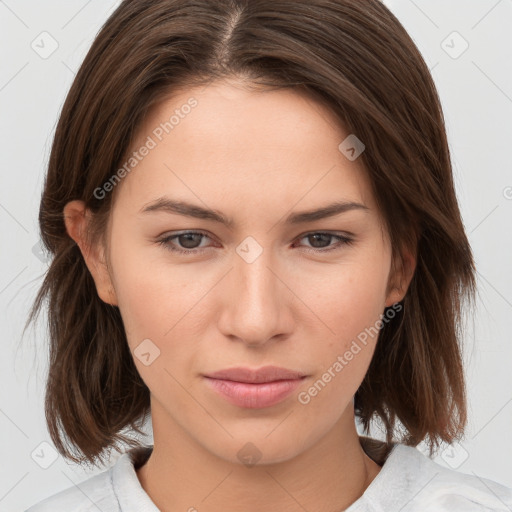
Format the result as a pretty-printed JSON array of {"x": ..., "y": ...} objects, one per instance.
[{"x": 256, "y": 302}]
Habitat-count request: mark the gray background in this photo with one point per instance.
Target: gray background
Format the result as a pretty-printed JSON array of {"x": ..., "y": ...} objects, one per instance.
[{"x": 475, "y": 85}]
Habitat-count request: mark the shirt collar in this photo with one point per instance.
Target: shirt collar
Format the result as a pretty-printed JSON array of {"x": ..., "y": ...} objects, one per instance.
[{"x": 130, "y": 494}]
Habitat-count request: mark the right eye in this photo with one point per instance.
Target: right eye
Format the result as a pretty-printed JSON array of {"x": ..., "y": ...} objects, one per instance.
[{"x": 189, "y": 238}]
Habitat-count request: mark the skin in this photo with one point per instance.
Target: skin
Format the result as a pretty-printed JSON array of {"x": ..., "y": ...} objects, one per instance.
[{"x": 255, "y": 156}]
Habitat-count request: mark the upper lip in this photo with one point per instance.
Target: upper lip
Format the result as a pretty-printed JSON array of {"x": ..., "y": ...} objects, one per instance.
[{"x": 259, "y": 375}]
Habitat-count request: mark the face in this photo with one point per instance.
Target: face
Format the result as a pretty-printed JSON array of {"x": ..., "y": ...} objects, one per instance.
[{"x": 197, "y": 295}]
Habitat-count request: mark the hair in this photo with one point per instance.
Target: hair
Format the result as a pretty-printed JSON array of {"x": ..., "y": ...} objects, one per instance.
[{"x": 356, "y": 58}]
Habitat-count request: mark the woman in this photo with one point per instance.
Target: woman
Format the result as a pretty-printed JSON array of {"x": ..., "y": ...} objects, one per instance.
[{"x": 256, "y": 241}]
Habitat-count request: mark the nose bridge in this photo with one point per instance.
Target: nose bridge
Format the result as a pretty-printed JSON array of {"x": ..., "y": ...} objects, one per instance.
[{"x": 254, "y": 306}]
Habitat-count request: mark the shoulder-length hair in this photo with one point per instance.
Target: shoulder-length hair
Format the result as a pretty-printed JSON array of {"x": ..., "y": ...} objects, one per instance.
[{"x": 356, "y": 58}]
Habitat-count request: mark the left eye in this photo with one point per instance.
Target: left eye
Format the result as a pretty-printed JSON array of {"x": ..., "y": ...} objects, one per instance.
[
  {"x": 321, "y": 237},
  {"x": 190, "y": 238}
]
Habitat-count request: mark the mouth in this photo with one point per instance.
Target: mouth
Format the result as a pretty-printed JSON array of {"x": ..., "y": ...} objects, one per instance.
[
  {"x": 256, "y": 376},
  {"x": 255, "y": 389}
]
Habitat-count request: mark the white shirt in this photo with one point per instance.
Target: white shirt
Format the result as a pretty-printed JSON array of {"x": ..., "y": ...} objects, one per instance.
[{"x": 408, "y": 481}]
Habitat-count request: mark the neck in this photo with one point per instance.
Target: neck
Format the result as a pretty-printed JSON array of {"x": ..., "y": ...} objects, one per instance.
[{"x": 329, "y": 475}]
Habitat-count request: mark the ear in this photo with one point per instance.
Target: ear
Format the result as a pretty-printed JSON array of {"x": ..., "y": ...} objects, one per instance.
[
  {"x": 76, "y": 219},
  {"x": 402, "y": 271}
]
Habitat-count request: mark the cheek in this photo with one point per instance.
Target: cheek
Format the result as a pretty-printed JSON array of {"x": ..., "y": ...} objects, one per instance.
[
  {"x": 348, "y": 303},
  {"x": 162, "y": 304},
  {"x": 349, "y": 308},
  {"x": 152, "y": 297},
  {"x": 348, "y": 297}
]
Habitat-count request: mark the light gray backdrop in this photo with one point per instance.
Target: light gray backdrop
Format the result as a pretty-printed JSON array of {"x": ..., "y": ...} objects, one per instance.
[{"x": 467, "y": 45}]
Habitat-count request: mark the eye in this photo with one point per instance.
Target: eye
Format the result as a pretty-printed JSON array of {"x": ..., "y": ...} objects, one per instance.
[
  {"x": 321, "y": 238},
  {"x": 188, "y": 238},
  {"x": 190, "y": 242}
]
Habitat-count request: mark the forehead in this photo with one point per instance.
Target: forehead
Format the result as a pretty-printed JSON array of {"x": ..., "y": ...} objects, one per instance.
[{"x": 227, "y": 144}]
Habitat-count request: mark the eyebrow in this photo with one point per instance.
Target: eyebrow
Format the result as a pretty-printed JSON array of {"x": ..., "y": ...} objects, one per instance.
[{"x": 165, "y": 204}]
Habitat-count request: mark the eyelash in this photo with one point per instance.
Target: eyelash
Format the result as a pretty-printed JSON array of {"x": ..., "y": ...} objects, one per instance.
[{"x": 343, "y": 241}]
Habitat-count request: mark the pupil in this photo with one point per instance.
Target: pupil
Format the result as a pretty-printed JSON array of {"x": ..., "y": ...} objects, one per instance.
[
  {"x": 189, "y": 241},
  {"x": 319, "y": 236}
]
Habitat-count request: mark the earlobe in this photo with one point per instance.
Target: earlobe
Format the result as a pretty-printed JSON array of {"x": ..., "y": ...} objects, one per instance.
[{"x": 76, "y": 220}]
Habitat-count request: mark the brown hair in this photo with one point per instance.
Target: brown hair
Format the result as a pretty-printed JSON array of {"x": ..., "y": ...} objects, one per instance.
[{"x": 355, "y": 57}]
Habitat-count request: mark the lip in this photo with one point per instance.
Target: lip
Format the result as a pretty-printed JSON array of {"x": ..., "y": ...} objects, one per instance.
[
  {"x": 256, "y": 376},
  {"x": 255, "y": 389}
]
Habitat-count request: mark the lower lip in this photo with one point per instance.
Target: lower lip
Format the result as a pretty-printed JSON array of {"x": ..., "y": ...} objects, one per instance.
[{"x": 254, "y": 396}]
